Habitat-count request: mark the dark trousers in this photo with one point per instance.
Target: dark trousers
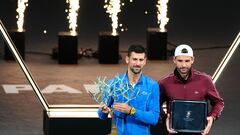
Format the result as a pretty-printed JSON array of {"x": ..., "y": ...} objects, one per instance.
[{"x": 159, "y": 129}]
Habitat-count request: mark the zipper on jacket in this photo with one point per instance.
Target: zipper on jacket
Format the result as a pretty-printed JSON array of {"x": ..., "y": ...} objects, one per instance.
[{"x": 185, "y": 92}]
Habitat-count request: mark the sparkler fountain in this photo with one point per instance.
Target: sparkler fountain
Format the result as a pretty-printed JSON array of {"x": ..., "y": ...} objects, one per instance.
[
  {"x": 18, "y": 36},
  {"x": 68, "y": 41},
  {"x": 108, "y": 48},
  {"x": 157, "y": 37}
]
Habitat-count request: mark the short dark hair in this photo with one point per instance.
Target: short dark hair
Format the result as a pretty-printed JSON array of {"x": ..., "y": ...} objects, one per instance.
[
  {"x": 184, "y": 50},
  {"x": 136, "y": 49}
]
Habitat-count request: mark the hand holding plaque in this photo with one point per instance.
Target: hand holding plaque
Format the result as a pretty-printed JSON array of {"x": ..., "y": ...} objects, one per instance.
[{"x": 188, "y": 116}]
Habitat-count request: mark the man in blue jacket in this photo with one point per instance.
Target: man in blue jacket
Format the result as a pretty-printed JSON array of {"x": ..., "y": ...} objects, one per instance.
[{"x": 134, "y": 98}]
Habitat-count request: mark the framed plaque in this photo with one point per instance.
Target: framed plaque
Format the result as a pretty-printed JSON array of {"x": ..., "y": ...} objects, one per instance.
[{"x": 188, "y": 116}]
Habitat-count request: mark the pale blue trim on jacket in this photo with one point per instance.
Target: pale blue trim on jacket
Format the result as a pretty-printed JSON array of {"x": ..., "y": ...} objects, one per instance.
[{"x": 146, "y": 104}]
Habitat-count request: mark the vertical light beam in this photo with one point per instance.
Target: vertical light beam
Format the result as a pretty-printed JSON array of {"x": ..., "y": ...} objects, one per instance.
[
  {"x": 113, "y": 7},
  {"x": 22, "y": 4},
  {"x": 23, "y": 66},
  {"x": 226, "y": 58},
  {"x": 72, "y": 16},
  {"x": 162, "y": 14}
]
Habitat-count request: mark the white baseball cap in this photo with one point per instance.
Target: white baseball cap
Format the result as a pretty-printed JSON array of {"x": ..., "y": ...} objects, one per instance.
[{"x": 183, "y": 50}]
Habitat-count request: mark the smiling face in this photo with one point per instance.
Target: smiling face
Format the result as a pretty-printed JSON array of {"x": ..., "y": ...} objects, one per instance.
[
  {"x": 183, "y": 64},
  {"x": 136, "y": 62}
]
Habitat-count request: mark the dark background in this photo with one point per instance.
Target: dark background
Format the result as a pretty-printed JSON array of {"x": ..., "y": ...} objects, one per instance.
[{"x": 200, "y": 23}]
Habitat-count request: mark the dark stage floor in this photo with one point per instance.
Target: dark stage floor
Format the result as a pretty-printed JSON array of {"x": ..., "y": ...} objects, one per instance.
[{"x": 21, "y": 112}]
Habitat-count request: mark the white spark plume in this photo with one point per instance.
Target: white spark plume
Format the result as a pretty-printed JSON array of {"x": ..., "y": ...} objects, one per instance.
[
  {"x": 22, "y": 4},
  {"x": 113, "y": 7},
  {"x": 162, "y": 14},
  {"x": 72, "y": 16}
]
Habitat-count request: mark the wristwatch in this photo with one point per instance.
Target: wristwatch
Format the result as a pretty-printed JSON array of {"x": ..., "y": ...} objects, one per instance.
[{"x": 132, "y": 111}]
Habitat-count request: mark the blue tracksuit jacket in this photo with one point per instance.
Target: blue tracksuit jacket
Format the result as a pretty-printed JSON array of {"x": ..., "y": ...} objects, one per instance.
[{"x": 145, "y": 98}]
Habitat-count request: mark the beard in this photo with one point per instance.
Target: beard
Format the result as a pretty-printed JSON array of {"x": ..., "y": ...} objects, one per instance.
[
  {"x": 184, "y": 70},
  {"x": 136, "y": 70}
]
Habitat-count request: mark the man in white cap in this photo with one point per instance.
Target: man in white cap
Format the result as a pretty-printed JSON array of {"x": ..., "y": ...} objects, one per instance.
[{"x": 186, "y": 83}]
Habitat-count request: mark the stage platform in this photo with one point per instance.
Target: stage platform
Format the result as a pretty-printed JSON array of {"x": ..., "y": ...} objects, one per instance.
[{"x": 22, "y": 114}]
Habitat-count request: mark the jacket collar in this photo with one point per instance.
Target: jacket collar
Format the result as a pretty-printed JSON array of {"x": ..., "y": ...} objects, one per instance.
[
  {"x": 140, "y": 81},
  {"x": 180, "y": 78}
]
